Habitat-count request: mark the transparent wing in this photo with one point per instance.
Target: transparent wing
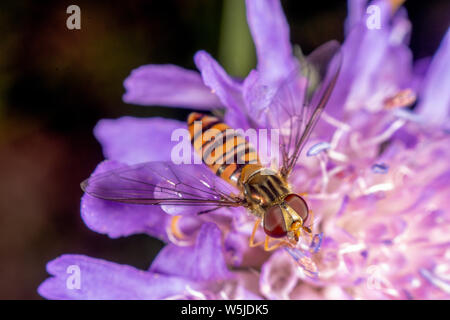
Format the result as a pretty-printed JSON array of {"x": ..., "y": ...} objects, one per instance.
[
  {"x": 301, "y": 98},
  {"x": 162, "y": 183}
]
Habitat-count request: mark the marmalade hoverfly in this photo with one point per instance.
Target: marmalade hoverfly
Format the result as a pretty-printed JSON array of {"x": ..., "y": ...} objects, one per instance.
[{"x": 294, "y": 110}]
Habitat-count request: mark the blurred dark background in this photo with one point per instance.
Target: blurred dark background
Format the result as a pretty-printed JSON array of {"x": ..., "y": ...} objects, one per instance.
[{"x": 55, "y": 84}]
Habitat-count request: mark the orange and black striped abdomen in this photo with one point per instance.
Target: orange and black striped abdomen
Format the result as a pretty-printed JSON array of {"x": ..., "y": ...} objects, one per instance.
[{"x": 224, "y": 150}]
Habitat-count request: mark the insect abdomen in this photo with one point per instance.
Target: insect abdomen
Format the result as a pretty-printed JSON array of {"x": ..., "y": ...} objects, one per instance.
[{"x": 222, "y": 149}]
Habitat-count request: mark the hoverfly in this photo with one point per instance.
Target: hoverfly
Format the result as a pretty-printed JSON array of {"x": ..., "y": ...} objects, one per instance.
[{"x": 294, "y": 110}]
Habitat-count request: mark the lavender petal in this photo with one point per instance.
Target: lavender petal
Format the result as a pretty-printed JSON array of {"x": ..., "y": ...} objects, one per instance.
[
  {"x": 434, "y": 103},
  {"x": 203, "y": 261},
  {"x": 168, "y": 85},
  {"x": 119, "y": 219},
  {"x": 214, "y": 76},
  {"x": 132, "y": 140},
  {"x": 270, "y": 33},
  {"x": 104, "y": 280}
]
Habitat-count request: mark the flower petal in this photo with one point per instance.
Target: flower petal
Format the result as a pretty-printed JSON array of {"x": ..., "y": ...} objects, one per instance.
[
  {"x": 215, "y": 77},
  {"x": 370, "y": 76},
  {"x": 99, "y": 279},
  {"x": 356, "y": 10},
  {"x": 204, "y": 261},
  {"x": 119, "y": 219},
  {"x": 270, "y": 32},
  {"x": 135, "y": 140},
  {"x": 168, "y": 85},
  {"x": 434, "y": 103},
  {"x": 419, "y": 72},
  {"x": 235, "y": 246},
  {"x": 258, "y": 95}
]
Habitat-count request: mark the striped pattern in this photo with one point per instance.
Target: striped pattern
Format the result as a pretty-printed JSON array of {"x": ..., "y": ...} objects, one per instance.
[
  {"x": 221, "y": 148},
  {"x": 265, "y": 190}
]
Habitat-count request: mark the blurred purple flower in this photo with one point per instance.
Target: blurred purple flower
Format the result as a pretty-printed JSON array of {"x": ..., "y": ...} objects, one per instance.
[{"x": 379, "y": 189}]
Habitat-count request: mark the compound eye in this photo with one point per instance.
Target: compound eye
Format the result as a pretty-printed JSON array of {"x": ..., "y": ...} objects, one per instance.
[
  {"x": 274, "y": 224},
  {"x": 299, "y": 205}
]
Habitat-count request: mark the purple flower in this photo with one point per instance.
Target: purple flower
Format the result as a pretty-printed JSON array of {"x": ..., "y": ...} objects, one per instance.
[{"x": 386, "y": 233}]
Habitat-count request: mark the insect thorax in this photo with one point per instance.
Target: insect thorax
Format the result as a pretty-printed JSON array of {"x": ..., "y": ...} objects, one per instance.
[{"x": 262, "y": 189}]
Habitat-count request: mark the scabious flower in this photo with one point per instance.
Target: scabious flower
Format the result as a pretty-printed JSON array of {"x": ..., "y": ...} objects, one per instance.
[{"x": 379, "y": 188}]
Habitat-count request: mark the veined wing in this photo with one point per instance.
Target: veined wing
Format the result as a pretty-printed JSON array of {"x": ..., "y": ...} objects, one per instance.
[
  {"x": 301, "y": 98},
  {"x": 162, "y": 183}
]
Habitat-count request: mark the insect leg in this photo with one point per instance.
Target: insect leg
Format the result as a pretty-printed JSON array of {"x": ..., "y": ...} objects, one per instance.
[
  {"x": 298, "y": 233},
  {"x": 275, "y": 246},
  {"x": 251, "y": 242}
]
